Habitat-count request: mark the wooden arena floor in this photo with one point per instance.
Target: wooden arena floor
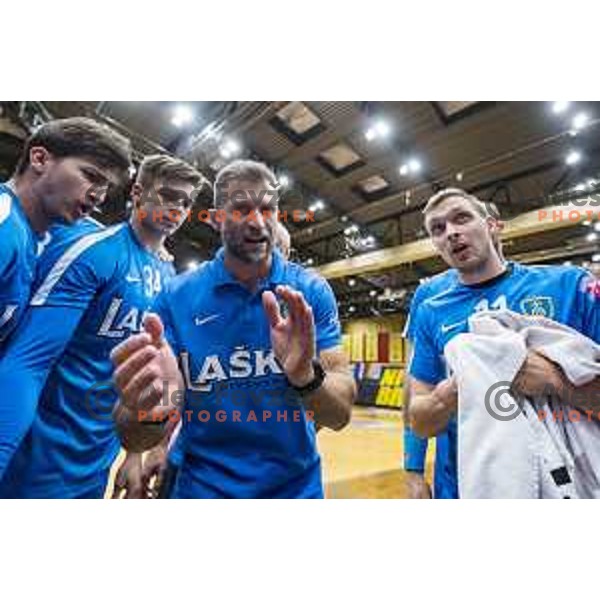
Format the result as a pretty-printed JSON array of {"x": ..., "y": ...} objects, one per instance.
[{"x": 363, "y": 460}]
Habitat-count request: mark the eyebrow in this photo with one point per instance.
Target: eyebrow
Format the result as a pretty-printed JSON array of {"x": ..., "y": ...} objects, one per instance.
[
  {"x": 451, "y": 213},
  {"x": 95, "y": 171},
  {"x": 435, "y": 221},
  {"x": 172, "y": 193}
]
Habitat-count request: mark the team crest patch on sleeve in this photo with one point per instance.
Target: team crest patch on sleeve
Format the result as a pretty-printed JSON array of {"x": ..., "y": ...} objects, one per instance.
[
  {"x": 5, "y": 205},
  {"x": 538, "y": 306}
]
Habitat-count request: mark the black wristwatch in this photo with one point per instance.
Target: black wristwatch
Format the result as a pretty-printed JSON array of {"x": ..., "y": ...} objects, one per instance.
[{"x": 316, "y": 382}]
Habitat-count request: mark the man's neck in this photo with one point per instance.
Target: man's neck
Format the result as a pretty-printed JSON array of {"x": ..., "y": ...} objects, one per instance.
[
  {"x": 23, "y": 187},
  {"x": 486, "y": 271},
  {"x": 248, "y": 274},
  {"x": 149, "y": 238}
]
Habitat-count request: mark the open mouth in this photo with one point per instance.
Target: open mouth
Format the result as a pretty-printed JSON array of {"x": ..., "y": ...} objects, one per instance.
[
  {"x": 81, "y": 210},
  {"x": 255, "y": 241},
  {"x": 460, "y": 250}
]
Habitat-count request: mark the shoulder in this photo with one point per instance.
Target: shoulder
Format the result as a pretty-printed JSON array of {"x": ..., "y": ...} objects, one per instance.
[
  {"x": 190, "y": 282},
  {"x": 434, "y": 285},
  {"x": 441, "y": 280},
  {"x": 424, "y": 310},
  {"x": 7, "y": 210},
  {"x": 14, "y": 228},
  {"x": 99, "y": 244},
  {"x": 62, "y": 234},
  {"x": 95, "y": 250},
  {"x": 167, "y": 268},
  {"x": 552, "y": 273},
  {"x": 308, "y": 281}
]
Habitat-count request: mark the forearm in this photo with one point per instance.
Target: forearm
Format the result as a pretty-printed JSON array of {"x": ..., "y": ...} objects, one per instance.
[
  {"x": 19, "y": 393},
  {"x": 23, "y": 373},
  {"x": 142, "y": 429},
  {"x": 167, "y": 441},
  {"x": 137, "y": 435},
  {"x": 331, "y": 404},
  {"x": 540, "y": 377},
  {"x": 429, "y": 414},
  {"x": 585, "y": 397}
]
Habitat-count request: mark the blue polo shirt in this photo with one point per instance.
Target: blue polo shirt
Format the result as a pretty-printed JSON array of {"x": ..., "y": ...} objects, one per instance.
[{"x": 245, "y": 431}]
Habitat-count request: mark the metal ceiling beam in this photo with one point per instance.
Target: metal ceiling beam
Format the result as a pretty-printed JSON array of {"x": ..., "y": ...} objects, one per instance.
[
  {"x": 398, "y": 203},
  {"x": 541, "y": 256},
  {"x": 8, "y": 127}
]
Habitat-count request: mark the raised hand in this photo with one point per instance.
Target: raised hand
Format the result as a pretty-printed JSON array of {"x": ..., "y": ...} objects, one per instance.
[
  {"x": 143, "y": 362},
  {"x": 145, "y": 368},
  {"x": 292, "y": 336}
]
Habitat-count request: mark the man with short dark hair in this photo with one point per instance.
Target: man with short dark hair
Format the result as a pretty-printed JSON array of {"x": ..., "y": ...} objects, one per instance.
[
  {"x": 92, "y": 292},
  {"x": 259, "y": 343},
  {"x": 62, "y": 174}
]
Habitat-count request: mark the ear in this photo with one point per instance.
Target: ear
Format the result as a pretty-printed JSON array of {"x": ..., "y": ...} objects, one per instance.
[
  {"x": 493, "y": 225},
  {"x": 39, "y": 158},
  {"x": 136, "y": 194}
]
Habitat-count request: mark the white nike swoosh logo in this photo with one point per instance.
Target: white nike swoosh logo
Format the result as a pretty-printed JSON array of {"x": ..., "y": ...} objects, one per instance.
[
  {"x": 447, "y": 328},
  {"x": 132, "y": 279},
  {"x": 198, "y": 321}
]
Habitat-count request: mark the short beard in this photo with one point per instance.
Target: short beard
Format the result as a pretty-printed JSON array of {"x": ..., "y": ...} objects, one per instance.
[{"x": 238, "y": 252}]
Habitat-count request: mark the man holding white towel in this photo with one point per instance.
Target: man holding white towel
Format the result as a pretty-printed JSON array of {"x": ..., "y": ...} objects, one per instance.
[{"x": 462, "y": 231}]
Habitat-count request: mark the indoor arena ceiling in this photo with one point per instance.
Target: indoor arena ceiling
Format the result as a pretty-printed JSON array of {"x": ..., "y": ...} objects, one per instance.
[{"x": 367, "y": 168}]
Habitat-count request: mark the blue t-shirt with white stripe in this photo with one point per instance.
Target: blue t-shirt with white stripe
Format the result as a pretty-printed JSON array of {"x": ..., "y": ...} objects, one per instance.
[
  {"x": 92, "y": 295},
  {"x": 18, "y": 248}
]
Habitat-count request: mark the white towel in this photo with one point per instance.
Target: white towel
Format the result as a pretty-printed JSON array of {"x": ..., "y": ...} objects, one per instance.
[{"x": 523, "y": 456}]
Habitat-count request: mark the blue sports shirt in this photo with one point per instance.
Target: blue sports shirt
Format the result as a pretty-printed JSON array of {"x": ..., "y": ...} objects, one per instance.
[
  {"x": 18, "y": 249},
  {"x": 245, "y": 431},
  {"x": 566, "y": 294},
  {"x": 56, "y": 427},
  {"x": 415, "y": 447}
]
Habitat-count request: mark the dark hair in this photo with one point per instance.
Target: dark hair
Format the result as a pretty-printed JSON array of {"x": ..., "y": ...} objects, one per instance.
[
  {"x": 80, "y": 137},
  {"x": 162, "y": 166},
  {"x": 242, "y": 170}
]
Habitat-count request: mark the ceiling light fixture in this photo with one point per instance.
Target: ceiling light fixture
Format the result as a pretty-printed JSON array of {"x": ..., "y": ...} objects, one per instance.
[
  {"x": 560, "y": 106},
  {"x": 573, "y": 157},
  {"x": 182, "y": 115}
]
